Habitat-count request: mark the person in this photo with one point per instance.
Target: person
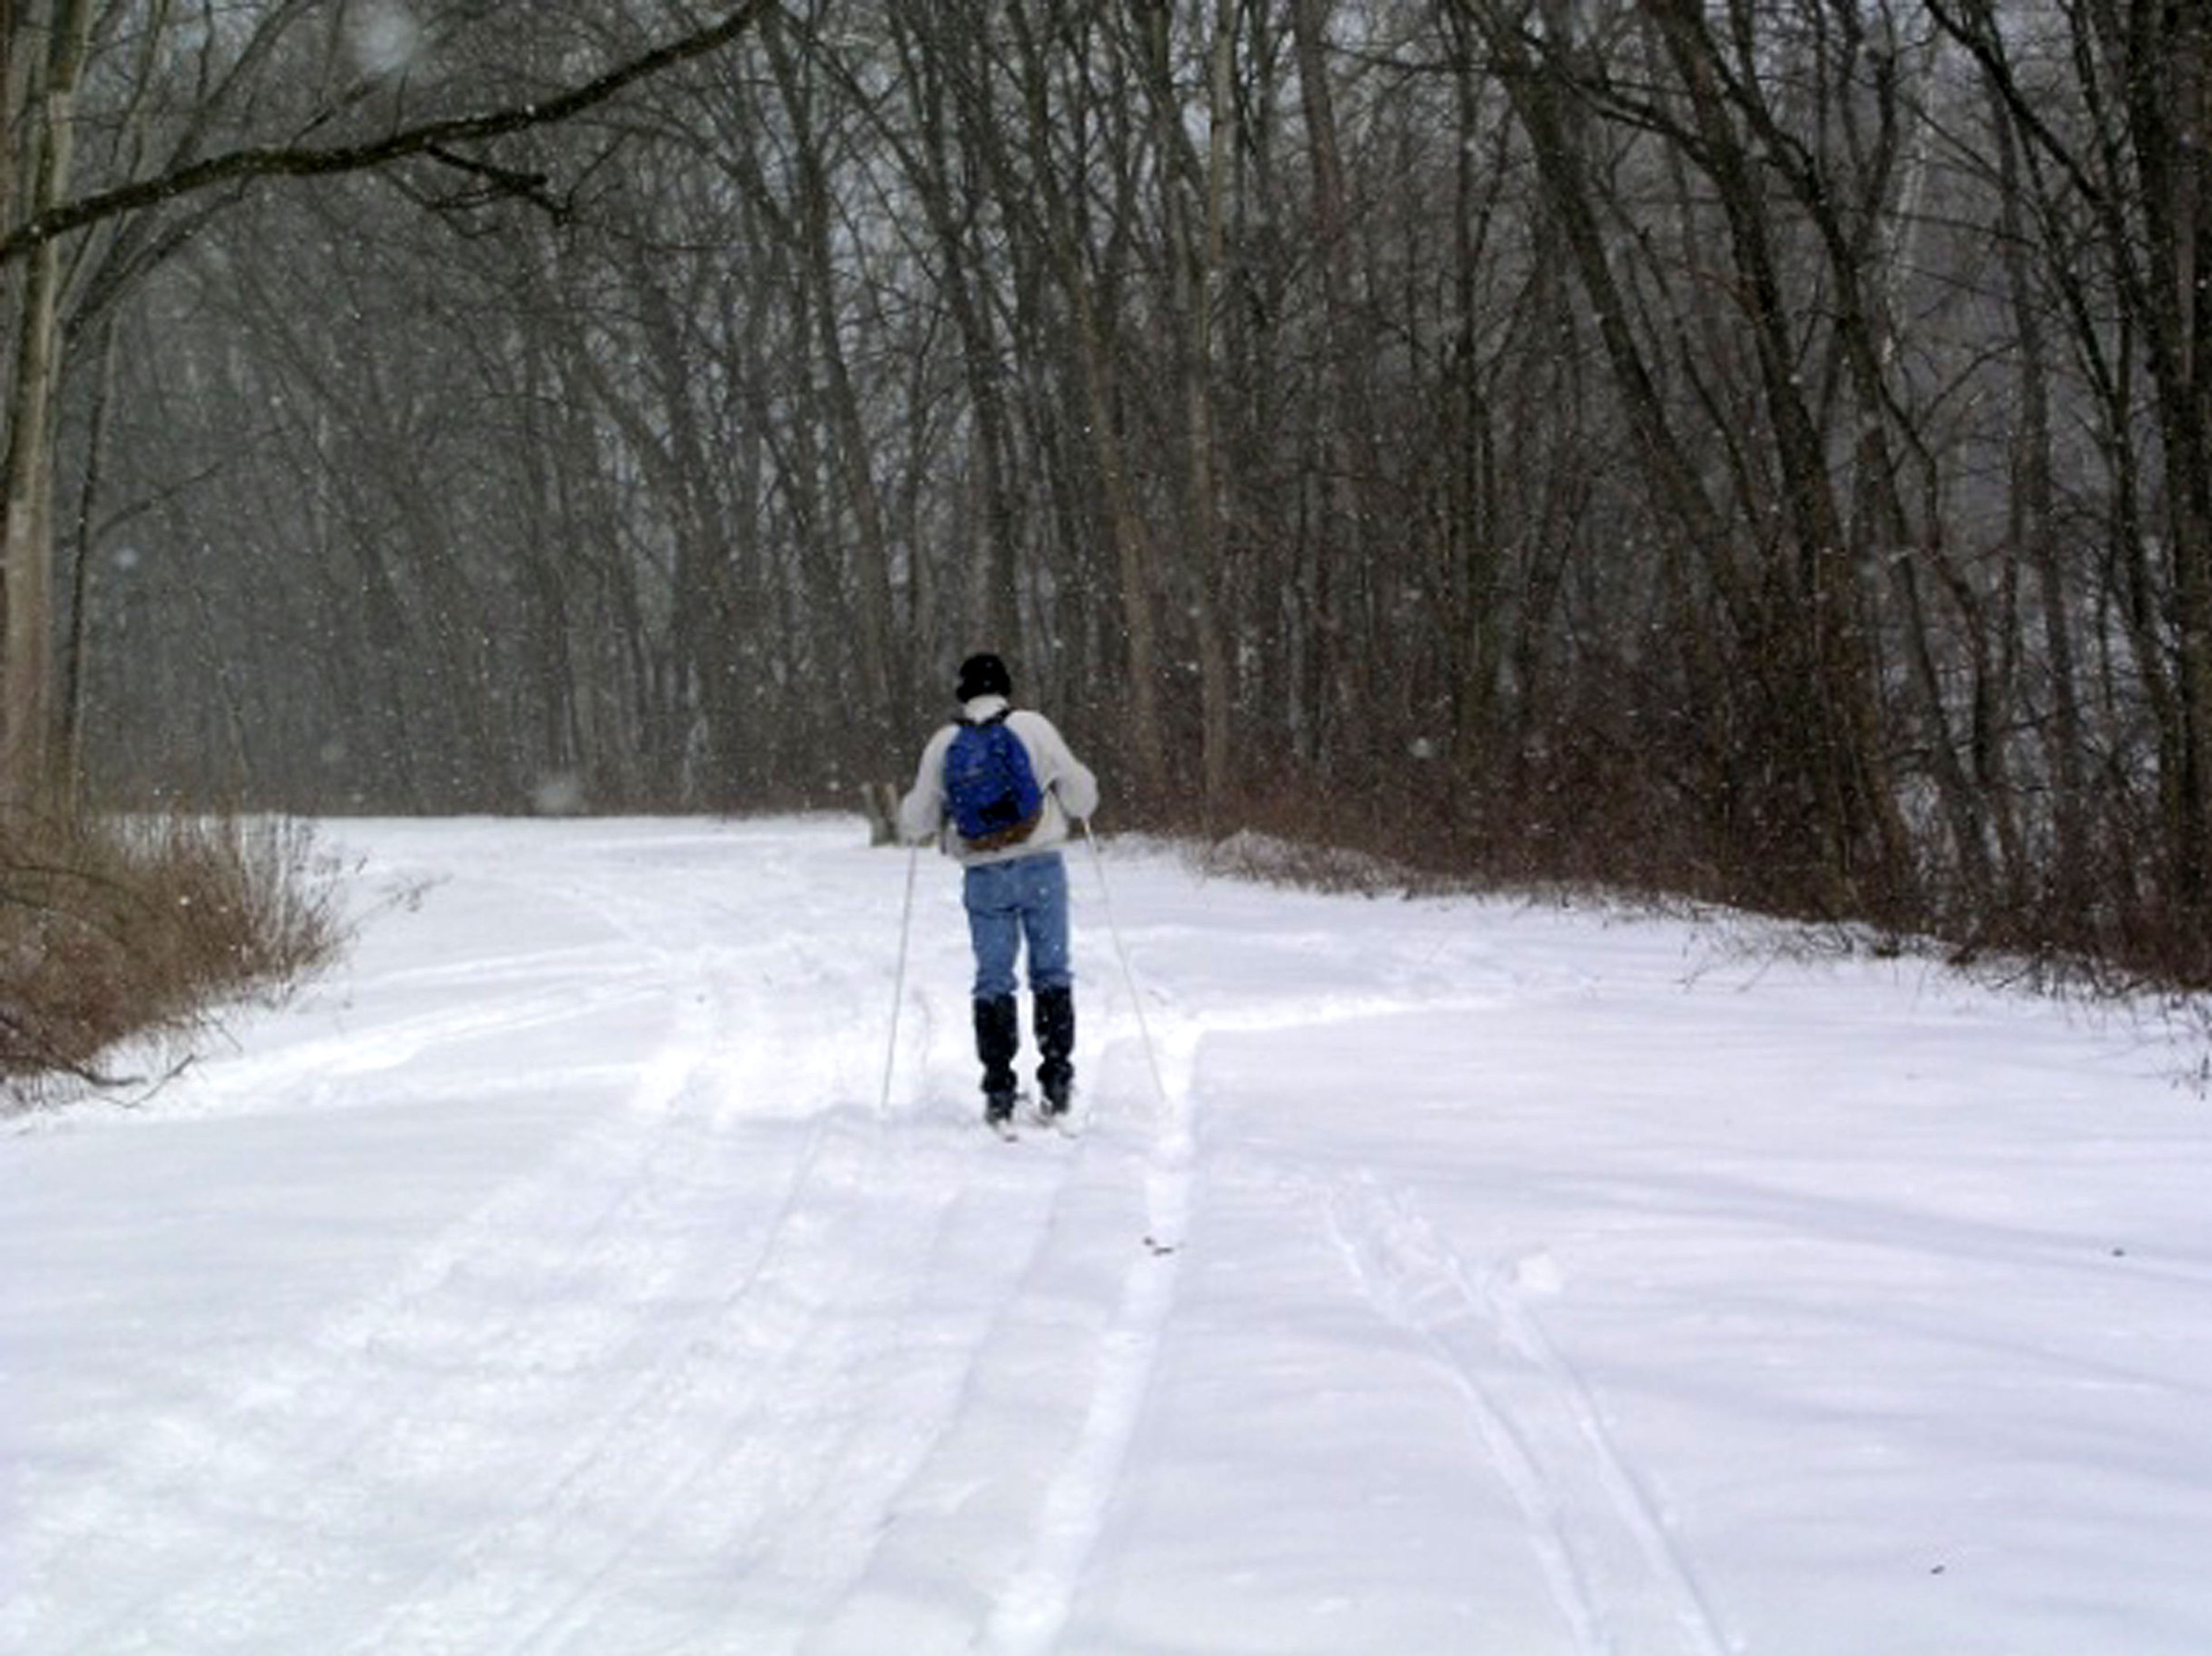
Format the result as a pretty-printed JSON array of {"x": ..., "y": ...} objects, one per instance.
[{"x": 1014, "y": 886}]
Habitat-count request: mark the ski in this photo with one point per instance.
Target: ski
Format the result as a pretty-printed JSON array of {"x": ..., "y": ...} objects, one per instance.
[
  {"x": 1029, "y": 1113},
  {"x": 1061, "y": 1121},
  {"x": 1007, "y": 1126}
]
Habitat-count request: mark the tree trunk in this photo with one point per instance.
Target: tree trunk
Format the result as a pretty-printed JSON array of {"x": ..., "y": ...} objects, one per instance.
[
  {"x": 2171, "y": 98},
  {"x": 942, "y": 52},
  {"x": 1838, "y": 725},
  {"x": 1056, "y": 216},
  {"x": 1195, "y": 259},
  {"x": 2034, "y": 522},
  {"x": 884, "y": 678},
  {"x": 28, "y": 748},
  {"x": 1346, "y": 576}
]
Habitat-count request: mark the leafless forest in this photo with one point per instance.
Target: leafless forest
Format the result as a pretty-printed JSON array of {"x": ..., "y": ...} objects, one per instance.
[{"x": 1760, "y": 448}]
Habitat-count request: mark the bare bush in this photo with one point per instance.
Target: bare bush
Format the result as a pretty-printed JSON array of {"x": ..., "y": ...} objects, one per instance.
[{"x": 119, "y": 929}]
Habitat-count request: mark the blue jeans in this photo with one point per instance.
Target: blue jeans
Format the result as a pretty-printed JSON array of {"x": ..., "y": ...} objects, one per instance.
[{"x": 1010, "y": 902}]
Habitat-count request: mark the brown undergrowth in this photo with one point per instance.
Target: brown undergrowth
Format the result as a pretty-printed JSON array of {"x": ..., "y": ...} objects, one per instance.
[{"x": 122, "y": 928}]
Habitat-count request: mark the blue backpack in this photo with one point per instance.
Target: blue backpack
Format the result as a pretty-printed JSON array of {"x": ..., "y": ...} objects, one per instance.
[{"x": 990, "y": 789}]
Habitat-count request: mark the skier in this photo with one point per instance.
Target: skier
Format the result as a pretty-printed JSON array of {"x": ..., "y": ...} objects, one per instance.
[{"x": 998, "y": 789}]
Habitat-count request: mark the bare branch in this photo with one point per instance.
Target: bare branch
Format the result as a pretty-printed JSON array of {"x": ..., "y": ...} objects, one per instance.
[{"x": 285, "y": 160}]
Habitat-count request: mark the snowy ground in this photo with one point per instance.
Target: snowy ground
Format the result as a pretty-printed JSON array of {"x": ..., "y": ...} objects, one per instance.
[{"x": 1470, "y": 1278}]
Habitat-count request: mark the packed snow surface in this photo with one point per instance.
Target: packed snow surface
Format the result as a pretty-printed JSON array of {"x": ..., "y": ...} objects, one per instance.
[{"x": 560, "y": 1275}]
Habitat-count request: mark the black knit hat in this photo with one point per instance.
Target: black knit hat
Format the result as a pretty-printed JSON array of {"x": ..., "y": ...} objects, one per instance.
[{"x": 983, "y": 675}]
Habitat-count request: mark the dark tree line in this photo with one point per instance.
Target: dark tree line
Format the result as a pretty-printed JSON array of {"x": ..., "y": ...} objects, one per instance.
[{"x": 1757, "y": 449}]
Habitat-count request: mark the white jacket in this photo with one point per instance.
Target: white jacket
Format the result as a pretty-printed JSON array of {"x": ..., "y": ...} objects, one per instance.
[{"x": 1071, "y": 792}]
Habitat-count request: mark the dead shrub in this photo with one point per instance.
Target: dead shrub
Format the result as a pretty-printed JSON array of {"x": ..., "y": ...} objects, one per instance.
[
  {"x": 1270, "y": 859},
  {"x": 117, "y": 928}
]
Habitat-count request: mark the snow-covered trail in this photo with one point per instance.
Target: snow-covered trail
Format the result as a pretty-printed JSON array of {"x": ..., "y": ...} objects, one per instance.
[{"x": 1449, "y": 1276}]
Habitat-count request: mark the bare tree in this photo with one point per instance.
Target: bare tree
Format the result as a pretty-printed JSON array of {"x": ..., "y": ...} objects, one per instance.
[
  {"x": 49, "y": 48},
  {"x": 1746, "y": 448}
]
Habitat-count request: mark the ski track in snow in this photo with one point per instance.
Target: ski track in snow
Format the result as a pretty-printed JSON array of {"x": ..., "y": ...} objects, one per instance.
[
  {"x": 1621, "y": 1584},
  {"x": 1032, "y": 1609},
  {"x": 540, "y": 1283},
  {"x": 1031, "y": 1612},
  {"x": 742, "y": 1362},
  {"x": 659, "y": 1370},
  {"x": 667, "y": 1367}
]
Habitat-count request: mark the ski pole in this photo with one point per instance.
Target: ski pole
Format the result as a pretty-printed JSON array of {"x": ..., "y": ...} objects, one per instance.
[
  {"x": 1128, "y": 977},
  {"x": 898, "y": 980}
]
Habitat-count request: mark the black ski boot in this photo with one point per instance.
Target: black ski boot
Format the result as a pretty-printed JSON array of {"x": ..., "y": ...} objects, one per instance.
[
  {"x": 1054, "y": 1014},
  {"x": 998, "y": 1039}
]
